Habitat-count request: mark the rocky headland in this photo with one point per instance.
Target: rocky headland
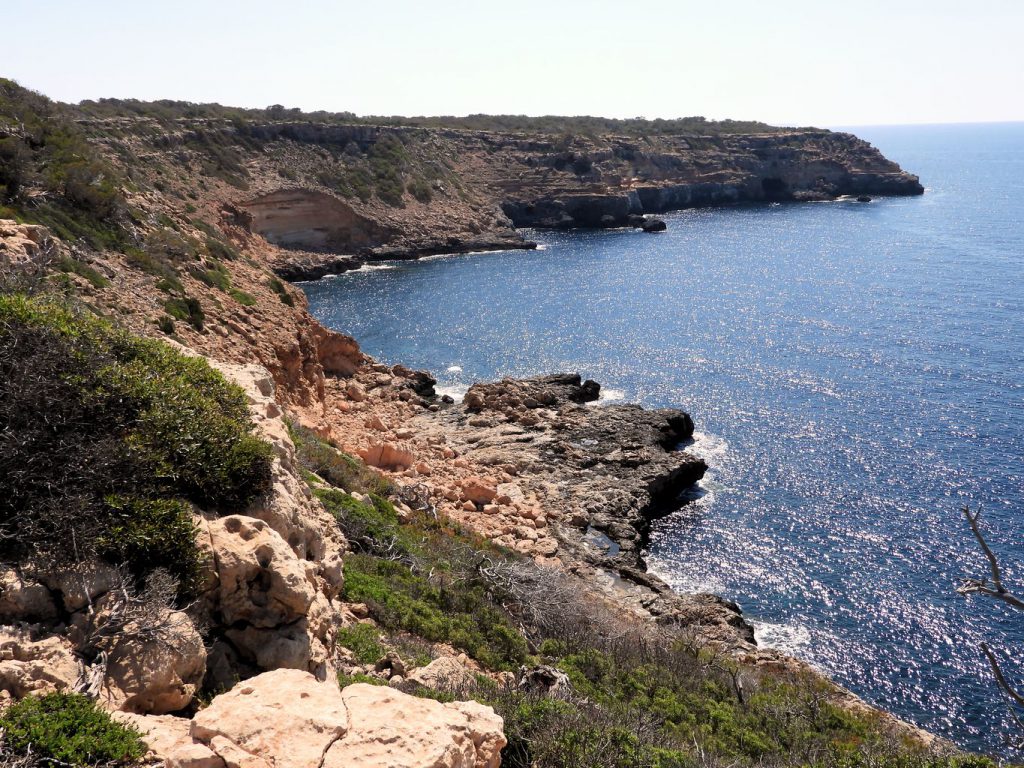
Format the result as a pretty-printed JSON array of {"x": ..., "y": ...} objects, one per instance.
[{"x": 403, "y": 547}]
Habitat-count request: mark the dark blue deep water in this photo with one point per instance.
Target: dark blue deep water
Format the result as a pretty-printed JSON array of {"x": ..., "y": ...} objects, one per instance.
[{"x": 856, "y": 372}]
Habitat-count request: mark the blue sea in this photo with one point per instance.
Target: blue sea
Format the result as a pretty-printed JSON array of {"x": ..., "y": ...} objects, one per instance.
[{"x": 856, "y": 374}]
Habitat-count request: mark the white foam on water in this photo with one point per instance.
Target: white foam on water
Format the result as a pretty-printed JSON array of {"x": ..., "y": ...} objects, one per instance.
[
  {"x": 611, "y": 395},
  {"x": 454, "y": 391},
  {"x": 375, "y": 267},
  {"x": 708, "y": 447},
  {"x": 454, "y": 369},
  {"x": 788, "y": 638}
]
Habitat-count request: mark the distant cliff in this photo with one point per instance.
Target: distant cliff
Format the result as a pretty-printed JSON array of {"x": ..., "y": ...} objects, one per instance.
[{"x": 334, "y": 194}]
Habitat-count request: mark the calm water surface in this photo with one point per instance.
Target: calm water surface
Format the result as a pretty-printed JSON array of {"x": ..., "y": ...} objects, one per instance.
[{"x": 856, "y": 372}]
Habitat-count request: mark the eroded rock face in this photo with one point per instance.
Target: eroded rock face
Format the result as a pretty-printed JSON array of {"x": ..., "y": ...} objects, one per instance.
[
  {"x": 287, "y": 719},
  {"x": 277, "y": 569},
  {"x": 155, "y": 673},
  {"x": 30, "y": 665},
  {"x": 303, "y": 218}
]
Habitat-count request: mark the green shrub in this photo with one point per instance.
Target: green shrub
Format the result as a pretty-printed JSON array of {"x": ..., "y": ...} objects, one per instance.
[
  {"x": 335, "y": 466},
  {"x": 103, "y": 436},
  {"x": 282, "y": 292},
  {"x": 69, "y": 728},
  {"x": 243, "y": 298},
  {"x": 146, "y": 534},
  {"x": 166, "y": 324},
  {"x": 67, "y": 264},
  {"x": 451, "y": 611},
  {"x": 420, "y": 189},
  {"x": 363, "y": 640},
  {"x": 213, "y": 274},
  {"x": 344, "y": 681},
  {"x": 186, "y": 308}
]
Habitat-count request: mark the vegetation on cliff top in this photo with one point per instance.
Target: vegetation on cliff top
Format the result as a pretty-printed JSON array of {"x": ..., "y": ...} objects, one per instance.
[
  {"x": 169, "y": 110},
  {"x": 105, "y": 438},
  {"x": 41, "y": 148}
]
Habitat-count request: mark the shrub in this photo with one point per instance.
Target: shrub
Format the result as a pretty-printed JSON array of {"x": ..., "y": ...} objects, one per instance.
[
  {"x": 364, "y": 642},
  {"x": 96, "y": 280},
  {"x": 282, "y": 292},
  {"x": 186, "y": 308},
  {"x": 344, "y": 681},
  {"x": 335, "y": 466},
  {"x": 104, "y": 436},
  {"x": 243, "y": 298},
  {"x": 71, "y": 729},
  {"x": 450, "y": 611},
  {"x": 166, "y": 324}
]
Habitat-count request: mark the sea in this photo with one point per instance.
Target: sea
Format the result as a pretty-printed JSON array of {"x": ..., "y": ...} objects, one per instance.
[{"x": 856, "y": 375}]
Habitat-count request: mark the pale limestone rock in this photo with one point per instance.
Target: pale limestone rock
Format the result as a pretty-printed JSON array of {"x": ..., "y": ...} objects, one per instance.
[
  {"x": 168, "y": 738},
  {"x": 22, "y": 599},
  {"x": 478, "y": 490},
  {"x": 389, "y": 728},
  {"x": 155, "y": 675},
  {"x": 284, "y": 717},
  {"x": 444, "y": 674},
  {"x": 387, "y": 456},
  {"x": 36, "y": 666},
  {"x": 259, "y": 580}
]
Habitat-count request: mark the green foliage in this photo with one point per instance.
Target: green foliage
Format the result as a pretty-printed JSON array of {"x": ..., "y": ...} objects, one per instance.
[
  {"x": 213, "y": 274},
  {"x": 243, "y": 298},
  {"x": 69, "y": 728},
  {"x": 186, "y": 308},
  {"x": 388, "y": 160},
  {"x": 42, "y": 147},
  {"x": 96, "y": 280},
  {"x": 448, "y": 611},
  {"x": 420, "y": 189},
  {"x": 344, "y": 681},
  {"x": 282, "y": 292},
  {"x": 166, "y": 324},
  {"x": 103, "y": 436},
  {"x": 363, "y": 640},
  {"x": 147, "y": 534},
  {"x": 334, "y": 465}
]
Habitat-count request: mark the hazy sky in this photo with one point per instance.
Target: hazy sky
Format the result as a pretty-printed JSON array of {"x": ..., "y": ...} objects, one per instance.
[{"x": 799, "y": 62}]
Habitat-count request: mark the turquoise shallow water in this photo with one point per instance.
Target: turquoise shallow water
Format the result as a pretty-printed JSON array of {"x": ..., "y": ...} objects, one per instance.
[{"x": 856, "y": 372}]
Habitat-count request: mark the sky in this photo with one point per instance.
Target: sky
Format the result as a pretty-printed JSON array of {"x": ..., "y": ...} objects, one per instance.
[{"x": 787, "y": 62}]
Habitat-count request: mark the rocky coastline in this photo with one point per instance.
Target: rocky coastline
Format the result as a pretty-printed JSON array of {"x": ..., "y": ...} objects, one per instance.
[{"x": 280, "y": 659}]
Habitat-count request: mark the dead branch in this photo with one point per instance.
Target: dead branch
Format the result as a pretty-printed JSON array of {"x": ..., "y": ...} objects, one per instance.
[{"x": 980, "y": 586}]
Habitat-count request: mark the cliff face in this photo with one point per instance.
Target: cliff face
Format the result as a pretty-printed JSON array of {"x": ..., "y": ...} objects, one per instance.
[{"x": 323, "y": 191}]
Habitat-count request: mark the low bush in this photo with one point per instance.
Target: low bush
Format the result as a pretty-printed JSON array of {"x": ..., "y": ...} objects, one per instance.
[
  {"x": 364, "y": 642},
  {"x": 186, "y": 308},
  {"x": 105, "y": 436},
  {"x": 282, "y": 292},
  {"x": 69, "y": 729},
  {"x": 335, "y": 466}
]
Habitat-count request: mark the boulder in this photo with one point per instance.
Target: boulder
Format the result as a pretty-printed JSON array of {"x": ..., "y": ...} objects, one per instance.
[
  {"x": 22, "y": 599},
  {"x": 545, "y": 680},
  {"x": 36, "y": 666},
  {"x": 390, "y": 728},
  {"x": 478, "y": 490},
  {"x": 283, "y": 718},
  {"x": 286, "y": 719},
  {"x": 155, "y": 672},
  {"x": 653, "y": 225},
  {"x": 444, "y": 674},
  {"x": 259, "y": 581}
]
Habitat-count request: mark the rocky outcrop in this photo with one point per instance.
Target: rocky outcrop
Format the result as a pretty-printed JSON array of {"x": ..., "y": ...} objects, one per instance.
[
  {"x": 276, "y": 571},
  {"x": 614, "y": 468},
  {"x": 272, "y": 579},
  {"x": 287, "y": 719}
]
